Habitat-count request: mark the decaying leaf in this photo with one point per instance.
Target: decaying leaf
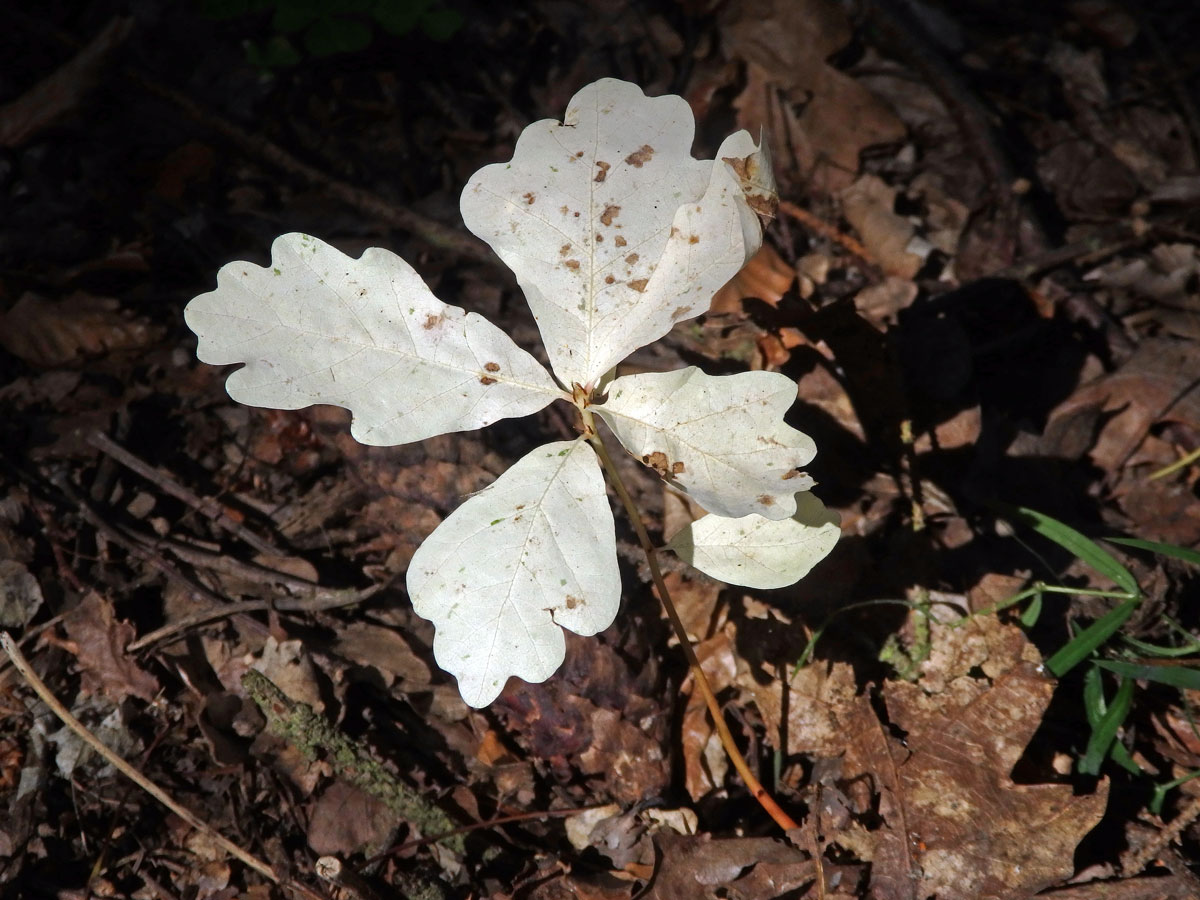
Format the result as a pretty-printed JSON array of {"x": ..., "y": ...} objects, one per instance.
[
  {"x": 956, "y": 825},
  {"x": 696, "y": 867},
  {"x": 99, "y": 640},
  {"x": 52, "y": 333}
]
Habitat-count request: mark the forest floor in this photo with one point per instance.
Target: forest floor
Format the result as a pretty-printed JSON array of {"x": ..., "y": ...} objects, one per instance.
[{"x": 984, "y": 277}]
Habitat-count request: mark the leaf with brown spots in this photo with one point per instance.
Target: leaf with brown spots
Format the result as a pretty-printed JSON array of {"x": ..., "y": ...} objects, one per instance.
[
  {"x": 635, "y": 183},
  {"x": 727, "y": 432},
  {"x": 309, "y": 334}
]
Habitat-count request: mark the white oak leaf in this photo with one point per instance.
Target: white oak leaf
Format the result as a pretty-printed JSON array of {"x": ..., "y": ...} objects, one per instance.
[
  {"x": 533, "y": 551},
  {"x": 719, "y": 438},
  {"x": 760, "y": 553},
  {"x": 317, "y": 326},
  {"x": 614, "y": 231}
]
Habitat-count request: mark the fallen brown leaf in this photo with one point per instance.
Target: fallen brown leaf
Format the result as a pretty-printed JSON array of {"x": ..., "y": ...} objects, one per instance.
[
  {"x": 956, "y": 825},
  {"x": 1156, "y": 384},
  {"x": 47, "y": 333},
  {"x": 697, "y": 867},
  {"x": 868, "y": 205},
  {"x": 99, "y": 641},
  {"x": 787, "y": 42},
  {"x": 346, "y": 820},
  {"x": 704, "y": 760}
]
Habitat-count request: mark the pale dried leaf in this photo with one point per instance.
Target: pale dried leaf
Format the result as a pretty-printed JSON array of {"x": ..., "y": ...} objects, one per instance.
[
  {"x": 757, "y": 552},
  {"x": 614, "y": 231},
  {"x": 720, "y": 439},
  {"x": 320, "y": 327},
  {"x": 534, "y": 551}
]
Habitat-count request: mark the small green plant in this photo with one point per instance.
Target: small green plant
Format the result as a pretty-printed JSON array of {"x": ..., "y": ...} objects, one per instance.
[
  {"x": 615, "y": 234},
  {"x": 1104, "y": 649},
  {"x": 325, "y": 27}
]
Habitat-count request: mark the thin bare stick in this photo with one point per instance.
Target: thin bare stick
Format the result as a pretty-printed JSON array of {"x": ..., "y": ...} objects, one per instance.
[
  {"x": 827, "y": 231},
  {"x": 317, "y": 602},
  {"x": 22, "y": 665},
  {"x": 205, "y": 505},
  {"x": 759, "y": 793}
]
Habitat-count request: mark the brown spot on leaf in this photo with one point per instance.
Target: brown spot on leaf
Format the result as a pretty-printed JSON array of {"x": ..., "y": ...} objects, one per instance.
[
  {"x": 608, "y": 279},
  {"x": 766, "y": 500},
  {"x": 599, "y": 238},
  {"x": 640, "y": 156},
  {"x": 693, "y": 239},
  {"x": 578, "y": 154},
  {"x": 677, "y": 468},
  {"x": 741, "y": 167},
  {"x": 620, "y": 241},
  {"x": 563, "y": 210},
  {"x": 659, "y": 462},
  {"x": 679, "y": 312},
  {"x": 639, "y": 284},
  {"x": 603, "y": 173},
  {"x": 790, "y": 474},
  {"x": 572, "y": 264},
  {"x": 631, "y": 258},
  {"x": 529, "y": 197},
  {"x": 674, "y": 232},
  {"x": 486, "y": 379},
  {"x": 432, "y": 321},
  {"x": 492, "y": 367},
  {"x": 611, "y": 211},
  {"x": 572, "y": 601}
]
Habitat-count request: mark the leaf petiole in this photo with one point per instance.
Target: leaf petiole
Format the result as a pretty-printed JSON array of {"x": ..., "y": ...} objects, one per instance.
[{"x": 768, "y": 803}]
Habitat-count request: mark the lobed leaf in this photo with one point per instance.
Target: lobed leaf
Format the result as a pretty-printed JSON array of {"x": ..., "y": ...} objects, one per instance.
[
  {"x": 614, "y": 231},
  {"x": 533, "y": 551},
  {"x": 719, "y": 438},
  {"x": 317, "y": 326},
  {"x": 760, "y": 553}
]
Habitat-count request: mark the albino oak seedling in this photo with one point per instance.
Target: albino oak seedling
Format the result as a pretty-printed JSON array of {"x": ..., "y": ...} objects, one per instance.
[{"x": 615, "y": 233}]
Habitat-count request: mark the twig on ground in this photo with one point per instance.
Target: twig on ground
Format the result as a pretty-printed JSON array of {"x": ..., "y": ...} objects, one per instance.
[
  {"x": 204, "y": 505},
  {"x": 827, "y": 231},
  {"x": 431, "y": 231},
  {"x": 39, "y": 687},
  {"x": 312, "y": 734},
  {"x": 1136, "y": 862},
  {"x": 318, "y": 602}
]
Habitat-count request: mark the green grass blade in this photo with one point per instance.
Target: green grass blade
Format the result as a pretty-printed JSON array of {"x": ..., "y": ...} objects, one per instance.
[
  {"x": 1176, "y": 676},
  {"x": 1121, "y": 756},
  {"x": 1104, "y": 732},
  {"x": 1030, "y": 616},
  {"x": 1160, "y": 792},
  {"x": 1081, "y": 646},
  {"x": 1083, "y": 547},
  {"x": 1094, "y": 703},
  {"x": 1171, "y": 550},
  {"x": 1145, "y": 649}
]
